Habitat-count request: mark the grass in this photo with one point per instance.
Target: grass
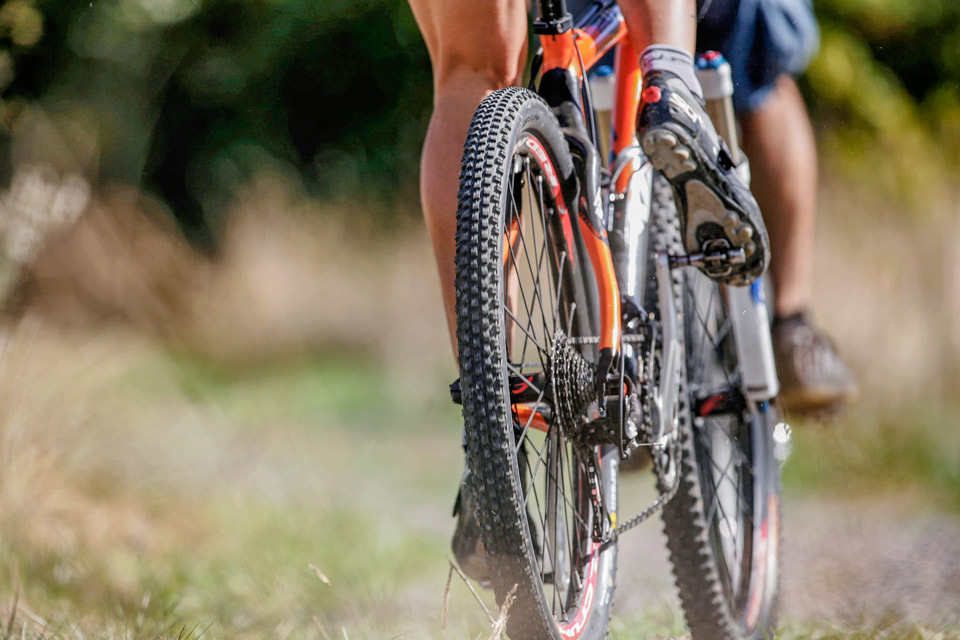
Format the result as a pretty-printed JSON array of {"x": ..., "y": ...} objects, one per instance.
[
  {"x": 149, "y": 495},
  {"x": 887, "y": 629},
  {"x": 165, "y": 492},
  {"x": 912, "y": 450}
]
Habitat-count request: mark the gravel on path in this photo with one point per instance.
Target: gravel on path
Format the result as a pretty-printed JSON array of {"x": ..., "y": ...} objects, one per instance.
[{"x": 843, "y": 562}]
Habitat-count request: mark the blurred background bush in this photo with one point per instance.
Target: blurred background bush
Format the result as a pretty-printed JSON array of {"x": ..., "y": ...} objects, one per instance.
[{"x": 190, "y": 98}]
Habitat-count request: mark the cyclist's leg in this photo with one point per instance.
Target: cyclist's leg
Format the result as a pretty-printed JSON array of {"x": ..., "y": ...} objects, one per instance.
[
  {"x": 778, "y": 139},
  {"x": 767, "y": 42},
  {"x": 716, "y": 209},
  {"x": 661, "y": 22},
  {"x": 475, "y": 48}
]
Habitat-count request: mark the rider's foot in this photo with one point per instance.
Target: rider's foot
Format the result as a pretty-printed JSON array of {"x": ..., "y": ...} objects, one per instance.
[
  {"x": 467, "y": 545},
  {"x": 713, "y": 202},
  {"x": 813, "y": 378}
]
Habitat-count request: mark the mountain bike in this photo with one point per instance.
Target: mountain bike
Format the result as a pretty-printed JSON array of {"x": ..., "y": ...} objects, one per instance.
[{"x": 586, "y": 335}]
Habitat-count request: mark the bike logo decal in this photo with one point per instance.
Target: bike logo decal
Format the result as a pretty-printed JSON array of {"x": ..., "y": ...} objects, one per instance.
[
  {"x": 519, "y": 387},
  {"x": 541, "y": 155},
  {"x": 756, "y": 291},
  {"x": 547, "y": 166},
  {"x": 681, "y": 104},
  {"x": 769, "y": 537}
]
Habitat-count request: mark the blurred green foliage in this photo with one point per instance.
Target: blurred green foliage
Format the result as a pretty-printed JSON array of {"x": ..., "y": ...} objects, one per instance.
[
  {"x": 191, "y": 97},
  {"x": 885, "y": 93}
]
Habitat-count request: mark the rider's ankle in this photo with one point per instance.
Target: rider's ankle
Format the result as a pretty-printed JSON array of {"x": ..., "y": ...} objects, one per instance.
[
  {"x": 661, "y": 57},
  {"x": 790, "y": 319}
]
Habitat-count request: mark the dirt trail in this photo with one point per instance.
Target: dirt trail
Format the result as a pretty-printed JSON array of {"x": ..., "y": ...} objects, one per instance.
[{"x": 842, "y": 562}]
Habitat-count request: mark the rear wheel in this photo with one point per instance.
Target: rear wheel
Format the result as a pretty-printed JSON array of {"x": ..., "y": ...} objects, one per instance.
[
  {"x": 524, "y": 296},
  {"x": 723, "y": 525}
]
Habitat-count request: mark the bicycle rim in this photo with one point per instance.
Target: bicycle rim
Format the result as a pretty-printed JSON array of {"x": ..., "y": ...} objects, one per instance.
[
  {"x": 737, "y": 474},
  {"x": 723, "y": 524}
]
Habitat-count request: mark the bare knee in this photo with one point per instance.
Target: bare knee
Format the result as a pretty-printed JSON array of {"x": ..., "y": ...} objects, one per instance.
[
  {"x": 489, "y": 72},
  {"x": 481, "y": 44}
]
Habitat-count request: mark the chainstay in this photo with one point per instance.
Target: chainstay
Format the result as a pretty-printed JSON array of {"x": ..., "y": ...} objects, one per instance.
[{"x": 658, "y": 463}]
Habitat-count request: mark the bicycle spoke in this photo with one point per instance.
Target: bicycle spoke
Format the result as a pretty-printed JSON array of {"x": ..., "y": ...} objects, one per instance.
[
  {"x": 554, "y": 300},
  {"x": 566, "y": 500},
  {"x": 543, "y": 245},
  {"x": 533, "y": 414},
  {"x": 526, "y": 333},
  {"x": 556, "y": 308},
  {"x": 528, "y": 306},
  {"x": 533, "y": 231},
  {"x": 536, "y": 499},
  {"x": 528, "y": 303},
  {"x": 569, "y": 549}
]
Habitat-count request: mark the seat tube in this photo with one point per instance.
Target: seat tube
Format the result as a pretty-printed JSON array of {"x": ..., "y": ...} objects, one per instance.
[
  {"x": 552, "y": 10},
  {"x": 632, "y": 179}
]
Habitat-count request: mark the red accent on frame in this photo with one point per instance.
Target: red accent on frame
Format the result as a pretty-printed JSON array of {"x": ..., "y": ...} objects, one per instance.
[
  {"x": 710, "y": 404},
  {"x": 629, "y": 77},
  {"x": 526, "y": 415}
]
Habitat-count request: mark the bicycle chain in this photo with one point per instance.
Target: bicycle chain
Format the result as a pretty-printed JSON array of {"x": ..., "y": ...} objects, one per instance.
[{"x": 660, "y": 461}]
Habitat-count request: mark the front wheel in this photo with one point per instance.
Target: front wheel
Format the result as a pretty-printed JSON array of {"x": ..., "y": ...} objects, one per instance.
[
  {"x": 524, "y": 296},
  {"x": 723, "y": 525}
]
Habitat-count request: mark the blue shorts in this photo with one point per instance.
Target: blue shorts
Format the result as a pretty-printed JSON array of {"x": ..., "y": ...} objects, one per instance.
[{"x": 761, "y": 39}]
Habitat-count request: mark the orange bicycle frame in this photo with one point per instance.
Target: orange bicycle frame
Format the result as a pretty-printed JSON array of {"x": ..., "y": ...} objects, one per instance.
[{"x": 576, "y": 50}]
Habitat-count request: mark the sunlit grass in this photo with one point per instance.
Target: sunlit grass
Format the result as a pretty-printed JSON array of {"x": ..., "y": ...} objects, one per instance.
[{"x": 158, "y": 496}]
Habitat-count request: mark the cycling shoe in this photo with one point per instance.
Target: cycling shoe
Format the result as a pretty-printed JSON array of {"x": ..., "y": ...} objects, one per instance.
[{"x": 717, "y": 210}]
